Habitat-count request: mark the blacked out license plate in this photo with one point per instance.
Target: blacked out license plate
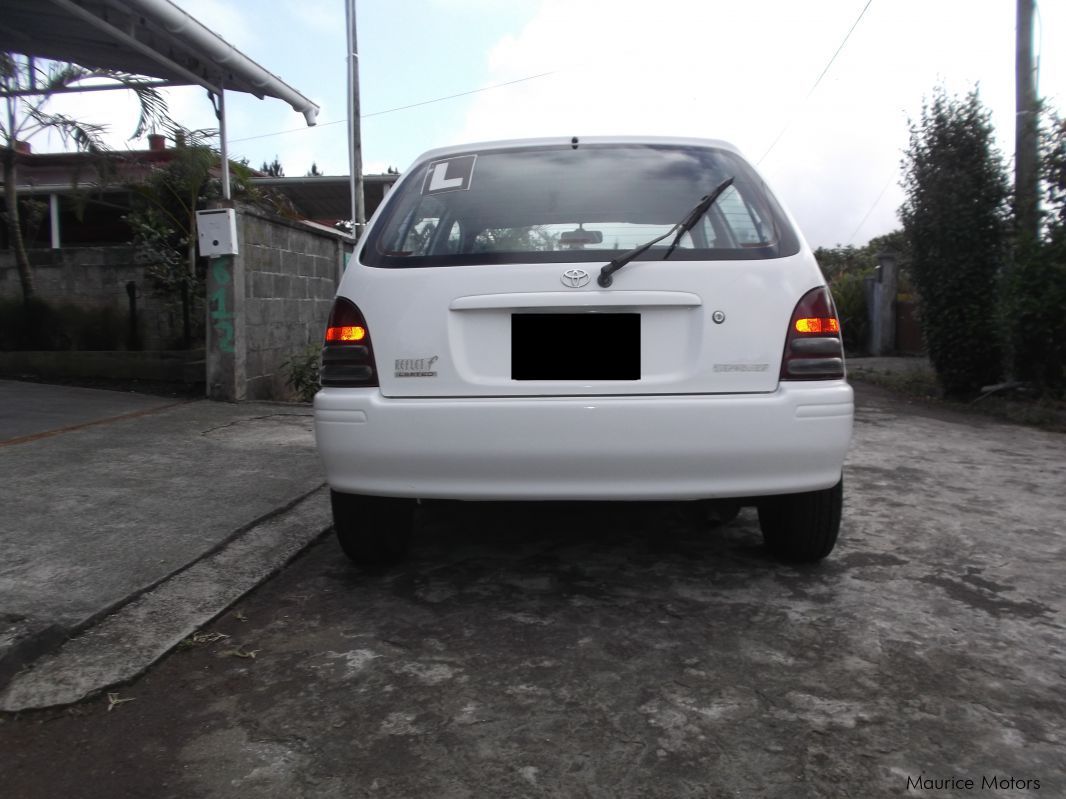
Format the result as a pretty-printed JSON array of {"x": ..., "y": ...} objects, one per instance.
[{"x": 575, "y": 346}]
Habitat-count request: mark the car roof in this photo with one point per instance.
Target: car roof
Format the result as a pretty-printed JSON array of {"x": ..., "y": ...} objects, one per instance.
[{"x": 556, "y": 141}]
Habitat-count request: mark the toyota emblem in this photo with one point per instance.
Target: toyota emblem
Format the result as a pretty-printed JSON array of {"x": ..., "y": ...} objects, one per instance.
[{"x": 575, "y": 278}]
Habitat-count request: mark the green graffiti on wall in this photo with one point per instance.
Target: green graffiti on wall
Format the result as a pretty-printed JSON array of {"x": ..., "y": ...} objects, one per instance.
[{"x": 221, "y": 316}]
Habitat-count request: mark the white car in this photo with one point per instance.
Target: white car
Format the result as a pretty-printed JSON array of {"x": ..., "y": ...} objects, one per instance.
[{"x": 595, "y": 319}]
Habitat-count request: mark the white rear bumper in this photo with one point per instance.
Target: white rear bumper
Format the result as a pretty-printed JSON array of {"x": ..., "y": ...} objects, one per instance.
[{"x": 585, "y": 448}]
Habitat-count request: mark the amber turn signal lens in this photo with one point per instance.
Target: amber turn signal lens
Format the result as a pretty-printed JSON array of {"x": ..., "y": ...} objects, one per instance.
[
  {"x": 354, "y": 333},
  {"x": 823, "y": 326}
]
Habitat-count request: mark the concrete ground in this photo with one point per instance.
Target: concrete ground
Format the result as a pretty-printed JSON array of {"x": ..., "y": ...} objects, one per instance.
[
  {"x": 28, "y": 409},
  {"x": 626, "y": 651},
  {"x": 107, "y": 495}
]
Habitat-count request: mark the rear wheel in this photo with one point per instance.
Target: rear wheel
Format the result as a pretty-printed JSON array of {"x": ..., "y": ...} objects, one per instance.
[
  {"x": 802, "y": 528},
  {"x": 372, "y": 531}
]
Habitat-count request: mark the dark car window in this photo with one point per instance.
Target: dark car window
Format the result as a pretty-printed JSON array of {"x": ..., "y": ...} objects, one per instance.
[{"x": 553, "y": 204}]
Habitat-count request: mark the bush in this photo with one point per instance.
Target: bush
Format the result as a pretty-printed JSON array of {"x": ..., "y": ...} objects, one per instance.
[
  {"x": 1036, "y": 310},
  {"x": 849, "y": 295},
  {"x": 955, "y": 222},
  {"x": 1036, "y": 289},
  {"x": 303, "y": 373}
]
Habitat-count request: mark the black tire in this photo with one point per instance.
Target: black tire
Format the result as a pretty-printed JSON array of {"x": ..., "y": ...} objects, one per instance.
[
  {"x": 372, "y": 531},
  {"x": 802, "y": 528}
]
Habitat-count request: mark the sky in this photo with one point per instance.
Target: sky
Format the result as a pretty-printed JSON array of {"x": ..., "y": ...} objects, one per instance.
[{"x": 744, "y": 72}]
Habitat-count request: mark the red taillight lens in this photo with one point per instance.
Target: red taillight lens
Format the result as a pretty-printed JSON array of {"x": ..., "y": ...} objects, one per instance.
[
  {"x": 348, "y": 355},
  {"x": 813, "y": 348},
  {"x": 817, "y": 326},
  {"x": 350, "y": 333}
]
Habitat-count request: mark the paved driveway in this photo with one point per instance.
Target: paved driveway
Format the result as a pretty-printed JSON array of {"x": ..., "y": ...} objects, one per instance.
[
  {"x": 28, "y": 409},
  {"x": 104, "y": 494},
  {"x": 620, "y": 651}
]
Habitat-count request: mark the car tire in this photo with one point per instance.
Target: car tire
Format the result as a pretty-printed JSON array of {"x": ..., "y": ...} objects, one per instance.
[
  {"x": 372, "y": 531},
  {"x": 802, "y": 528}
]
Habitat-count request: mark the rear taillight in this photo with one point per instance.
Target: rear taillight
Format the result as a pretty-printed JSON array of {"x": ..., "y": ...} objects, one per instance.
[
  {"x": 813, "y": 348},
  {"x": 348, "y": 355}
]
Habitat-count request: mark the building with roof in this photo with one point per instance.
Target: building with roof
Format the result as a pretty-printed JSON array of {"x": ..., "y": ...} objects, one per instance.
[
  {"x": 267, "y": 299},
  {"x": 87, "y": 196}
]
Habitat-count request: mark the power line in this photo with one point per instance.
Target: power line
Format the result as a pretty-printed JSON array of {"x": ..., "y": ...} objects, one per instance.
[
  {"x": 401, "y": 107},
  {"x": 819, "y": 80},
  {"x": 854, "y": 233},
  {"x": 290, "y": 130}
]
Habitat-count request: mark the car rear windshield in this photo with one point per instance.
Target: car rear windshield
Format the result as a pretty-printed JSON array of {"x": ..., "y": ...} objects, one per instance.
[{"x": 549, "y": 204}]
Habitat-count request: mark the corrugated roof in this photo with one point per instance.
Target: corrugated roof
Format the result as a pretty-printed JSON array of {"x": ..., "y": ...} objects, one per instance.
[
  {"x": 322, "y": 197},
  {"x": 153, "y": 38}
]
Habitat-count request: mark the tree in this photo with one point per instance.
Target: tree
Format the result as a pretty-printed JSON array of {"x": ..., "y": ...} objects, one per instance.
[
  {"x": 847, "y": 268},
  {"x": 27, "y": 115},
  {"x": 838, "y": 261},
  {"x": 956, "y": 226},
  {"x": 517, "y": 239},
  {"x": 1053, "y": 169},
  {"x": 1036, "y": 290},
  {"x": 163, "y": 218},
  {"x": 274, "y": 169},
  {"x": 164, "y": 223},
  {"x": 314, "y": 171}
]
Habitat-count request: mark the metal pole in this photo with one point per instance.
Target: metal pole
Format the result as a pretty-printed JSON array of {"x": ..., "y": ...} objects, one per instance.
[
  {"x": 224, "y": 149},
  {"x": 1025, "y": 127},
  {"x": 355, "y": 144},
  {"x": 53, "y": 212},
  {"x": 152, "y": 84},
  {"x": 888, "y": 271}
]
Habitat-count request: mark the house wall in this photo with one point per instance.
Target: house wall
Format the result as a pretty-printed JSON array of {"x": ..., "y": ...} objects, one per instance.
[
  {"x": 96, "y": 277},
  {"x": 268, "y": 303},
  {"x": 262, "y": 307}
]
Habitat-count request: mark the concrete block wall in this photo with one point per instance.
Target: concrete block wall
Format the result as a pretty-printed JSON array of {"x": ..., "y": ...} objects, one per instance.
[
  {"x": 269, "y": 303},
  {"x": 96, "y": 277}
]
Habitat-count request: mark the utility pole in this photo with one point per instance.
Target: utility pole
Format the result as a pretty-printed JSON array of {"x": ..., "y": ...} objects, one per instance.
[
  {"x": 355, "y": 144},
  {"x": 1025, "y": 128}
]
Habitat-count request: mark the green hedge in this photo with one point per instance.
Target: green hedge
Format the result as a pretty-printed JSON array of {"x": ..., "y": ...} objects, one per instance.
[
  {"x": 1036, "y": 313},
  {"x": 849, "y": 295},
  {"x": 955, "y": 221}
]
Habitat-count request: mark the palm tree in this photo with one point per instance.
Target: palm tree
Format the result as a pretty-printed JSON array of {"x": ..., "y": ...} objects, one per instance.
[{"x": 28, "y": 86}]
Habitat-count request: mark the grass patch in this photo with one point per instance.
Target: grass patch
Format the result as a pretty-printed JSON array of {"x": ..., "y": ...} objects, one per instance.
[
  {"x": 920, "y": 383},
  {"x": 1046, "y": 412}
]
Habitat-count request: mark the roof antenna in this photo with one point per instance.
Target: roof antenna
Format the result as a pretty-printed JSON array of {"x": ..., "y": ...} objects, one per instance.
[{"x": 573, "y": 143}]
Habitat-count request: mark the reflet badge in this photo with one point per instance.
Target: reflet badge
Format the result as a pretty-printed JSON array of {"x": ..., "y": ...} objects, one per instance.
[{"x": 451, "y": 174}]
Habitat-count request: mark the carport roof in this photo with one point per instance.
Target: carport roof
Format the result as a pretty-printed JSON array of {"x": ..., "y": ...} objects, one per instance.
[{"x": 153, "y": 38}]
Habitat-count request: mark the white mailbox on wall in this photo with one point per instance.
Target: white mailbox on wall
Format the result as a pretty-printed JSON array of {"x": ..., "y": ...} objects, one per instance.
[{"x": 216, "y": 231}]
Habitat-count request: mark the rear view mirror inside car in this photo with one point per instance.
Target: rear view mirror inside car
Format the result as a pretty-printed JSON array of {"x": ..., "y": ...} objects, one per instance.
[{"x": 580, "y": 237}]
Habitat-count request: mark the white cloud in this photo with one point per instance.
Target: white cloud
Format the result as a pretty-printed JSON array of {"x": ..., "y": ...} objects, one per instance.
[
  {"x": 476, "y": 6},
  {"x": 742, "y": 72},
  {"x": 117, "y": 110},
  {"x": 227, "y": 18},
  {"x": 738, "y": 71}
]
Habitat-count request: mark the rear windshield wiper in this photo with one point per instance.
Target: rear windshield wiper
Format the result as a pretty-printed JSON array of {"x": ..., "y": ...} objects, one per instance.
[{"x": 682, "y": 227}]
